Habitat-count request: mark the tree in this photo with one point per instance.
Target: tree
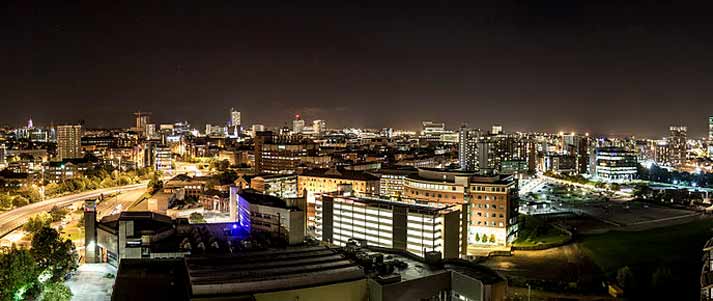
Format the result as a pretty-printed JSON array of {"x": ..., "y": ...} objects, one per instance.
[
  {"x": 53, "y": 254},
  {"x": 227, "y": 177},
  {"x": 642, "y": 191},
  {"x": 18, "y": 272},
  {"x": 492, "y": 238},
  {"x": 661, "y": 281},
  {"x": 477, "y": 237},
  {"x": 155, "y": 183},
  {"x": 5, "y": 201},
  {"x": 196, "y": 218},
  {"x": 124, "y": 180},
  {"x": 484, "y": 238},
  {"x": 56, "y": 291},
  {"x": 625, "y": 278},
  {"x": 31, "y": 193},
  {"x": 20, "y": 201},
  {"x": 36, "y": 222},
  {"x": 614, "y": 186},
  {"x": 52, "y": 189},
  {"x": 58, "y": 213}
]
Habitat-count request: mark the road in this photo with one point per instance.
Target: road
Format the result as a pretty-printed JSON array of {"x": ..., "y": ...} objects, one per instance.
[{"x": 15, "y": 218}]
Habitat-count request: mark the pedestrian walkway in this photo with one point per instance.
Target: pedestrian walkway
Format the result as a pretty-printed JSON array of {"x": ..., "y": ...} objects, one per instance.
[{"x": 91, "y": 283}]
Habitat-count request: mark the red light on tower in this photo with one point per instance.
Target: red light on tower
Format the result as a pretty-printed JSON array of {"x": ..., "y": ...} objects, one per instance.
[{"x": 297, "y": 116}]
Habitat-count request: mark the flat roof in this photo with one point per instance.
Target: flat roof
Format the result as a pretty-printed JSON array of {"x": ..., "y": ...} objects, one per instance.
[
  {"x": 272, "y": 270},
  {"x": 417, "y": 267},
  {"x": 339, "y": 173},
  {"x": 422, "y": 208},
  {"x": 150, "y": 279}
]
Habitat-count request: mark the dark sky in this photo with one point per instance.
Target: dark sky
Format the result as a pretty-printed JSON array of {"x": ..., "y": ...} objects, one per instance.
[{"x": 529, "y": 65}]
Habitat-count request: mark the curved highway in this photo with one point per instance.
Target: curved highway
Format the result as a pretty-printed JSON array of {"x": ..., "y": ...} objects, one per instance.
[{"x": 15, "y": 218}]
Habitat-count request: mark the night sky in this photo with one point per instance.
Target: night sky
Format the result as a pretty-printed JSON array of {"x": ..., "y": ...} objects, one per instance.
[{"x": 536, "y": 65}]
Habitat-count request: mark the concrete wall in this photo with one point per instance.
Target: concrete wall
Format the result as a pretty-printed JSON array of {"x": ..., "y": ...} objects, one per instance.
[
  {"x": 347, "y": 291},
  {"x": 297, "y": 227},
  {"x": 416, "y": 289}
]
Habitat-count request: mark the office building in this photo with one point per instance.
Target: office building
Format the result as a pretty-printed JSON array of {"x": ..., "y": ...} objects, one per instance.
[
  {"x": 69, "y": 142},
  {"x": 307, "y": 273},
  {"x": 491, "y": 200},
  {"x": 181, "y": 128},
  {"x": 391, "y": 180},
  {"x": 319, "y": 126},
  {"x": 3, "y": 160},
  {"x": 258, "y": 128},
  {"x": 150, "y": 130},
  {"x": 417, "y": 229},
  {"x": 281, "y": 154},
  {"x": 559, "y": 163},
  {"x": 298, "y": 125},
  {"x": 615, "y": 164},
  {"x": 352, "y": 273},
  {"x": 576, "y": 147},
  {"x": 325, "y": 180},
  {"x": 279, "y": 185},
  {"x": 710, "y": 137},
  {"x": 281, "y": 219},
  {"x": 432, "y": 131},
  {"x": 142, "y": 119},
  {"x": 162, "y": 158},
  {"x": 678, "y": 142}
]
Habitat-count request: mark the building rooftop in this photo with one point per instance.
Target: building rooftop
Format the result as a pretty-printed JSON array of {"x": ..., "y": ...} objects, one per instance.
[
  {"x": 274, "y": 176},
  {"x": 143, "y": 221},
  {"x": 339, "y": 173},
  {"x": 257, "y": 198},
  {"x": 144, "y": 279},
  {"x": 266, "y": 271},
  {"x": 449, "y": 176},
  {"x": 413, "y": 207}
]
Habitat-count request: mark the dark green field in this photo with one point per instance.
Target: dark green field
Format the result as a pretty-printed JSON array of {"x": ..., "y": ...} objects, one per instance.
[{"x": 676, "y": 248}]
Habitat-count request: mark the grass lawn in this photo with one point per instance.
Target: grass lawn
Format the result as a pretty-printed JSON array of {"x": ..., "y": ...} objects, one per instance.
[
  {"x": 677, "y": 248},
  {"x": 73, "y": 232},
  {"x": 549, "y": 235},
  {"x": 616, "y": 249}
]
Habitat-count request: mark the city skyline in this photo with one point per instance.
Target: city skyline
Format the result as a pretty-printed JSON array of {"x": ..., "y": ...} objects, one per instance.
[
  {"x": 416, "y": 125},
  {"x": 520, "y": 65}
]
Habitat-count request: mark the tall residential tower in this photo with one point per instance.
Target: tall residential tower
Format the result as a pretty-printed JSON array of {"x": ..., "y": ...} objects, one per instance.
[{"x": 69, "y": 141}]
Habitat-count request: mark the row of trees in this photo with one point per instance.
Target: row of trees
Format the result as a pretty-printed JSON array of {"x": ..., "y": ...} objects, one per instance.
[
  {"x": 662, "y": 175},
  {"x": 668, "y": 196},
  {"x": 579, "y": 179},
  {"x": 38, "y": 273},
  {"x": 647, "y": 285}
]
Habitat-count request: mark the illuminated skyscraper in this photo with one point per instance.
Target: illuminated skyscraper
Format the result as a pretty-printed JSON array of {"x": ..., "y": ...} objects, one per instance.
[
  {"x": 2, "y": 154},
  {"x": 678, "y": 144},
  {"x": 142, "y": 119},
  {"x": 69, "y": 141},
  {"x": 298, "y": 124},
  {"x": 710, "y": 137},
  {"x": 319, "y": 126},
  {"x": 234, "y": 118},
  {"x": 468, "y": 148}
]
